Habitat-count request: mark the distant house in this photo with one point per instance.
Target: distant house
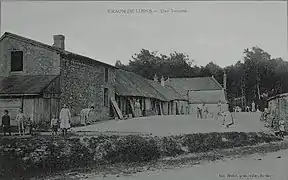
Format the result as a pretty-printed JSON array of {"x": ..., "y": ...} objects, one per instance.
[
  {"x": 41, "y": 78},
  {"x": 199, "y": 90}
]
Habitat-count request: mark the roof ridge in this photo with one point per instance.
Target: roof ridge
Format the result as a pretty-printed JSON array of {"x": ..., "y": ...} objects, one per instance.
[
  {"x": 219, "y": 85},
  {"x": 38, "y": 43}
]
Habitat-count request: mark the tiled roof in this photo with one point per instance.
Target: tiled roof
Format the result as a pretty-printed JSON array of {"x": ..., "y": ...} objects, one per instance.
[
  {"x": 207, "y": 96},
  {"x": 167, "y": 91},
  {"x": 63, "y": 53},
  {"x": 28, "y": 84},
  {"x": 182, "y": 85},
  {"x": 131, "y": 84}
]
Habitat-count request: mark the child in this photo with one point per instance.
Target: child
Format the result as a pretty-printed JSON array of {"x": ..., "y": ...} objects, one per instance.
[
  {"x": 54, "y": 125},
  {"x": 29, "y": 126},
  {"x": 199, "y": 111},
  {"x": 6, "y": 123}
]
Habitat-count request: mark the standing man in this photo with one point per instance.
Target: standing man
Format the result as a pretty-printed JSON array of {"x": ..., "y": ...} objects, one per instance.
[
  {"x": 204, "y": 111},
  {"x": 6, "y": 123},
  {"x": 219, "y": 110},
  {"x": 247, "y": 108},
  {"x": 20, "y": 120},
  {"x": 253, "y": 107},
  {"x": 199, "y": 111},
  {"x": 84, "y": 115}
]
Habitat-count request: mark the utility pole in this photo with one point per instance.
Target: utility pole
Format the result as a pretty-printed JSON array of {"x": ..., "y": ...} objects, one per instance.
[{"x": 242, "y": 92}]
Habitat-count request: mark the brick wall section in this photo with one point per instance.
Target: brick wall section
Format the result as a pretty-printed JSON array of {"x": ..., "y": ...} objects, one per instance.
[
  {"x": 83, "y": 84},
  {"x": 37, "y": 60}
]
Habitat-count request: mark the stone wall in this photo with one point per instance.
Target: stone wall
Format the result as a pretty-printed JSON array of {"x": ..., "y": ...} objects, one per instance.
[
  {"x": 83, "y": 85},
  {"x": 37, "y": 60},
  {"x": 278, "y": 108}
]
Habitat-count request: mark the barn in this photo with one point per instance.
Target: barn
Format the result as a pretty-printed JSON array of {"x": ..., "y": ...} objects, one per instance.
[
  {"x": 129, "y": 87},
  {"x": 200, "y": 90}
]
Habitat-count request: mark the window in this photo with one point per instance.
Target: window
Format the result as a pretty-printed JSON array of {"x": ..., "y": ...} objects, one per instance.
[
  {"x": 106, "y": 74},
  {"x": 106, "y": 97},
  {"x": 17, "y": 61}
]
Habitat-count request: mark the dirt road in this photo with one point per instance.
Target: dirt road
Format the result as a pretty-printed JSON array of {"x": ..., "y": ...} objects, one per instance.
[
  {"x": 270, "y": 166},
  {"x": 167, "y": 125}
]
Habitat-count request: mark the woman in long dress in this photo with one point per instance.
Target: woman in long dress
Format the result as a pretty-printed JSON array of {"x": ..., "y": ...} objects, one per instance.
[
  {"x": 65, "y": 117},
  {"x": 138, "y": 112}
]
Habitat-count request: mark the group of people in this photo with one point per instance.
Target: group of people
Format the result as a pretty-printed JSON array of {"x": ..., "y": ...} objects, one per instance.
[
  {"x": 202, "y": 111},
  {"x": 65, "y": 119},
  {"x": 253, "y": 107},
  {"x": 24, "y": 122}
]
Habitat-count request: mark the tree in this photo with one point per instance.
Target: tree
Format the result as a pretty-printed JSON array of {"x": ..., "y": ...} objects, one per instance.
[
  {"x": 255, "y": 75},
  {"x": 147, "y": 63}
]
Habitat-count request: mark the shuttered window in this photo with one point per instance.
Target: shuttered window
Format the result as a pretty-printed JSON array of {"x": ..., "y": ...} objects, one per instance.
[
  {"x": 17, "y": 61},
  {"x": 106, "y": 97},
  {"x": 106, "y": 74}
]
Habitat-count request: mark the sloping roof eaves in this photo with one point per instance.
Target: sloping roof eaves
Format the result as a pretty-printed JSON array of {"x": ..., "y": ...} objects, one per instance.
[
  {"x": 83, "y": 59},
  {"x": 63, "y": 53},
  {"x": 198, "y": 83},
  {"x": 167, "y": 91},
  {"x": 178, "y": 96},
  {"x": 28, "y": 84},
  {"x": 278, "y": 96},
  {"x": 131, "y": 84}
]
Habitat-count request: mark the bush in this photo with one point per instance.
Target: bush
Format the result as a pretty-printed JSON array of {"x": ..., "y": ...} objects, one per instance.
[
  {"x": 133, "y": 149},
  {"x": 21, "y": 155}
]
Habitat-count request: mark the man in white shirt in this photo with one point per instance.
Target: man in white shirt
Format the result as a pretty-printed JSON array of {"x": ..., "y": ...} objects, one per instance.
[
  {"x": 84, "y": 115},
  {"x": 219, "y": 110},
  {"x": 199, "y": 111}
]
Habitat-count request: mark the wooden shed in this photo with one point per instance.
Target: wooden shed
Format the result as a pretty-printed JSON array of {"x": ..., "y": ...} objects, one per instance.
[
  {"x": 129, "y": 87},
  {"x": 38, "y": 95},
  {"x": 176, "y": 104}
]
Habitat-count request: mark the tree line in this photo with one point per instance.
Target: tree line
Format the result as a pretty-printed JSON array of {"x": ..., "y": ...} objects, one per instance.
[{"x": 256, "y": 77}]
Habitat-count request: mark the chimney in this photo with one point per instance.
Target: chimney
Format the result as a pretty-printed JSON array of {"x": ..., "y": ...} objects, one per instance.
[
  {"x": 162, "y": 81},
  {"x": 155, "y": 78},
  {"x": 225, "y": 81},
  {"x": 59, "y": 41}
]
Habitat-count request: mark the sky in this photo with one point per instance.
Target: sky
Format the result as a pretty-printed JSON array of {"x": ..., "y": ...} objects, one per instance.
[{"x": 206, "y": 31}]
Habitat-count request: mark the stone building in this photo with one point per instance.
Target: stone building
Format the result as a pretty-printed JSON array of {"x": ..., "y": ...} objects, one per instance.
[{"x": 40, "y": 78}]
